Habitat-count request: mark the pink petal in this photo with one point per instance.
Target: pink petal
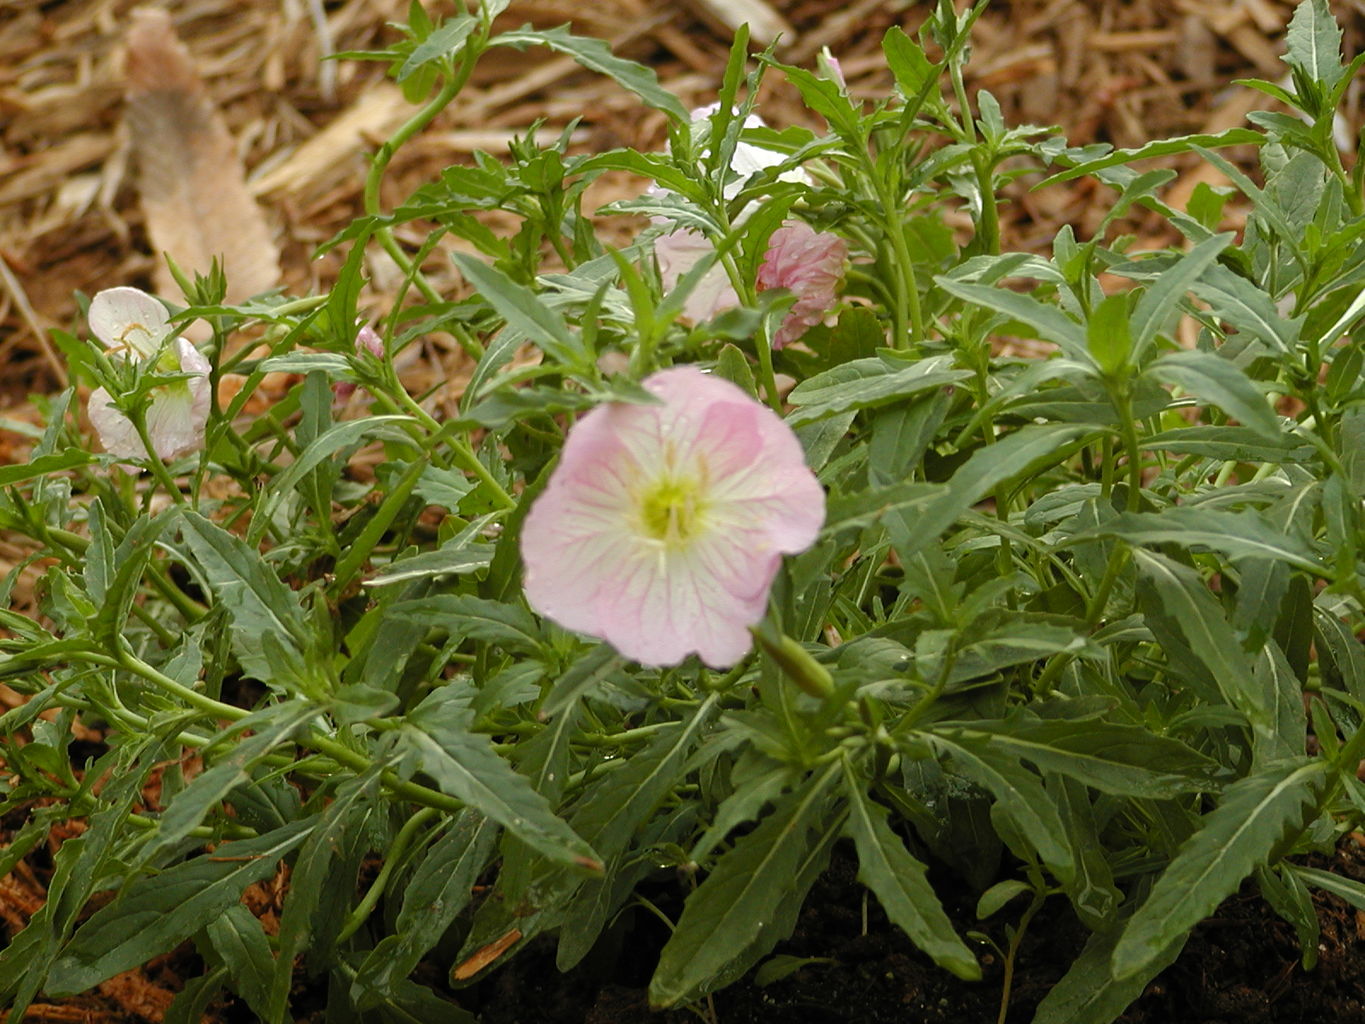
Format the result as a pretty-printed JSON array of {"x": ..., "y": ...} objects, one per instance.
[{"x": 129, "y": 318}]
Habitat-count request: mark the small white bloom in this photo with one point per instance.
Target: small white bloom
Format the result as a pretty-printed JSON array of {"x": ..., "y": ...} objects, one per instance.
[{"x": 134, "y": 325}]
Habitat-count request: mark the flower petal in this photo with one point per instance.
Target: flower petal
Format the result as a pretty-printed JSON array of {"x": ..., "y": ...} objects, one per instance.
[
  {"x": 129, "y": 318},
  {"x": 116, "y": 431}
]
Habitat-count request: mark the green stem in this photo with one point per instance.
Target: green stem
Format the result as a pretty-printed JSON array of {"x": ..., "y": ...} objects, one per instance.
[{"x": 392, "y": 858}]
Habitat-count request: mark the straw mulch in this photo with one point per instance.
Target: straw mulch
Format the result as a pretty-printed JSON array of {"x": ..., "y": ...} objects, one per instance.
[{"x": 218, "y": 129}]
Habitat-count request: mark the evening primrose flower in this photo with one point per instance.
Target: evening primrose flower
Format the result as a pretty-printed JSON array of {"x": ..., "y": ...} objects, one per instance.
[
  {"x": 366, "y": 340},
  {"x": 810, "y": 264},
  {"x": 134, "y": 325},
  {"x": 663, "y": 526}
]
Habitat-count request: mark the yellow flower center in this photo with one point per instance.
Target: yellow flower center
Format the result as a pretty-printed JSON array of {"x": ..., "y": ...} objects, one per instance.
[{"x": 672, "y": 510}]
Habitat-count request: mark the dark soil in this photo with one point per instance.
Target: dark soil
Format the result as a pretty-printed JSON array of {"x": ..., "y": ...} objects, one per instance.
[{"x": 1241, "y": 966}]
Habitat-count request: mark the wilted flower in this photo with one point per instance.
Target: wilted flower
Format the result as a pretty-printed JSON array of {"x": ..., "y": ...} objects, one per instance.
[
  {"x": 809, "y": 264},
  {"x": 662, "y": 527},
  {"x": 134, "y": 325}
]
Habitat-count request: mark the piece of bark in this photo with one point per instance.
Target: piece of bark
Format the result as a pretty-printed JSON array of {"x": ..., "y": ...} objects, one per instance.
[
  {"x": 765, "y": 23},
  {"x": 191, "y": 181}
]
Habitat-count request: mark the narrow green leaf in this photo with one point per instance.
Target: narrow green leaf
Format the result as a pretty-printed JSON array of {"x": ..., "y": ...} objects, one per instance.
[
  {"x": 1217, "y": 381},
  {"x": 508, "y": 625},
  {"x": 1162, "y": 147},
  {"x": 865, "y": 383},
  {"x": 596, "y": 55},
  {"x": 160, "y": 911},
  {"x": 523, "y": 310},
  {"x": 1018, "y": 792},
  {"x": 746, "y": 889},
  {"x": 238, "y": 942},
  {"x": 1019, "y": 454},
  {"x": 1181, "y": 595},
  {"x": 1256, "y": 816},
  {"x": 1159, "y": 303},
  {"x": 260, "y": 607},
  {"x": 446, "y": 41},
  {"x": 1126, "y": 760},
  {"x": 887, "y": 868},
  {"x": 1235, "y": 534},
  {"x": 42, "y": 465},
  {"x": 1048, "y": 322}
]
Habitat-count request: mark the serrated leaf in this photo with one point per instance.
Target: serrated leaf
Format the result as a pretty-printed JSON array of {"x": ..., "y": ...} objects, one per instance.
[
  {"x": 477, "y": 618},
  {"x": 1018, "y": 792},
  {"x": 1257, "y": 814},
  {"x": 1016, "y": 455},
  {"x": 1048, "y": 322},
  {"x": 446, "y": 41},
  {"x": 160, "y": 911},
  {"x": 887, "y": 868},
  {"x": 1160, "y": 300},
  {"x": 524, "y": 311},
  {"x": 270, "y": 727},
  {"x": 1313, "y": 43},
  {"x": 321, "y": 884},
  {"x": 238, "y": 942},
  {"x": 436, "y": 739}
]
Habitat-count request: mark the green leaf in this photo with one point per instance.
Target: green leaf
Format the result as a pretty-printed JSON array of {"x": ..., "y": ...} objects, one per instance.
[
  {"x": 158, "y": 912},
  {"x": 1126, "y": 760},
  {"x": 321, "y": 885},
  {"x": 1048, "y": 322},
  {"x": 270, "y": 727},
  {"x": 865, "y": 383},
  {"x": 238, "y": 942},
  {"x": 1256, "y": 816},
  {"x": 1235, "y": 534},
  {"x": 350, "y": 434},
  {"x": 596, "y": 55},
  {"x": 581, "y": 678},
  {"x": 1217, "y": 381},
  {"x": 1313, "y": 43},
  {"x": 1019, "y": 795},
  {"x": 446, "y": 41},
  {"x": 748, "y": 886},
  {"x": 1162, "y": 147},
  {"x": 887, "y": 868},
  {"x": 260, "y": 608},
  {"x": 1179, "y": 594},
  {"x": 1160, "y": 300},
  {"x": 1020, "y": 454},
  {"x": 436, "y": 739},
  {"x": 1089, "y": 993},
  {"x": 477, "y": 618},
  {"x": 1230, "y": 444},
  {"x": 442, "y": 885},
  {"x": 524, "y": 311},
  {"x": 42, "y": 465}
]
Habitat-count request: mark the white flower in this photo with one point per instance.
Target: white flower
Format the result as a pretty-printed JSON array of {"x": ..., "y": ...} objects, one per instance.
[{"x": 134, "y": 325}]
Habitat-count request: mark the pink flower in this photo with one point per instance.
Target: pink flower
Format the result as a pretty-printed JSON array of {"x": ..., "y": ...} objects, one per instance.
[
  {"x": 809, "y": 264},
  {"x": 663, "y": 525},
  {"x": 134, "y": 325}
]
